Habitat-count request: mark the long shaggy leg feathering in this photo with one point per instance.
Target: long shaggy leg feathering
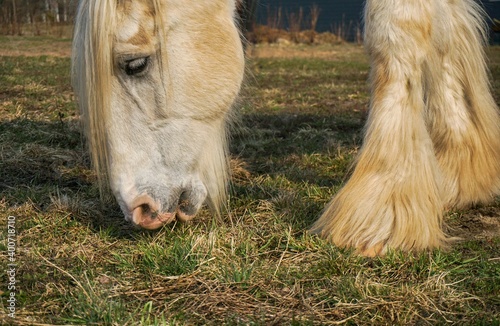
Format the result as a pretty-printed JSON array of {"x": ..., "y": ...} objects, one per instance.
[
  {"x": 462, "y": 116},
  {"x": 432, "y": 138}
]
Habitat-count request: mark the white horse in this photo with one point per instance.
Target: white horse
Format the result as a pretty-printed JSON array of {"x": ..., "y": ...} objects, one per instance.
[{"x": 156, "y": 80}]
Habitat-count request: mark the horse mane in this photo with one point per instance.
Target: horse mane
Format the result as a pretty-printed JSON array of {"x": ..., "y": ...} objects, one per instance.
[{"x": 92, "y": 68}]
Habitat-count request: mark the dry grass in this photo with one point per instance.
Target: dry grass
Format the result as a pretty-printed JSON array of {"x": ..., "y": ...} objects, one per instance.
[
  {"x": 34, "y": 46},
  {"x": 300, "y": 126}
]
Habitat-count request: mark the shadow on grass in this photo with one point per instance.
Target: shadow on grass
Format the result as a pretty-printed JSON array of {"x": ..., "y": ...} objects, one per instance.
[
  {"x": 46, "y": 164},
  {"x": 273, "y": 144},
  {"x": 295, "y": 161}
]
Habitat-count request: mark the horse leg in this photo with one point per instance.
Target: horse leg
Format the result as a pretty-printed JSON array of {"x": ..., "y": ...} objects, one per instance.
[
  {"x": 393, "y": 198},
  {"x": 462, "y": 115}
]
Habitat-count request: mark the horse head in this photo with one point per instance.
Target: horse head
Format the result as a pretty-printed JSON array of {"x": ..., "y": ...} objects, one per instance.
[{"x": 156, "y": 80}]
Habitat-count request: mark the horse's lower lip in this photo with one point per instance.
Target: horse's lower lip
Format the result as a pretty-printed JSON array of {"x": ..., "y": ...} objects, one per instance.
[
  {"x": 150, "y": 220},
  {"x": 184, "y": 217},
  {"x": 151, "y": 226}
]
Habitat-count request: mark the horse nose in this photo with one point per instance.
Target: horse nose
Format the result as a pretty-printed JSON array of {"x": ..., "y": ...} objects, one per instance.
[
  {"x": 147, "y": 214},
  {"x": 150, "y": 214}
]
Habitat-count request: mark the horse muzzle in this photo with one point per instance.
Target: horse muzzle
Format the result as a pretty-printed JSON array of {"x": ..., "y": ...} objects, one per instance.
[{"x": 151, "y": 211}]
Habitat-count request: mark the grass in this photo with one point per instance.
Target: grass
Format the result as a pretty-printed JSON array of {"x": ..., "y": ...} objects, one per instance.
[{"x": 301, "y": 121}]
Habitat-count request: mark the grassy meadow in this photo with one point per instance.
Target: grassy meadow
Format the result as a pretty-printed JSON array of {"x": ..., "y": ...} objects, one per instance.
[{"x": 300, "y": 124}]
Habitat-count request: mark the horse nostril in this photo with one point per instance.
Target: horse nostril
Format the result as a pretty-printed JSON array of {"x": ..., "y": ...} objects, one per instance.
[
  {"x": 183, "y": 201},
  {"x": 147, "y": 214},
  {"x": 148, "y": 211},
  {"x": 190, "y": 202}
]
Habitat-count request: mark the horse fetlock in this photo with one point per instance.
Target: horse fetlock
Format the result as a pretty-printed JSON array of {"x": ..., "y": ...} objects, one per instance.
[{"x": 392, "y": 215}]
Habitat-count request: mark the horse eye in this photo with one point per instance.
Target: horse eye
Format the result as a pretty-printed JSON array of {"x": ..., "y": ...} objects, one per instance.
[{"x": 135, "y": 67}]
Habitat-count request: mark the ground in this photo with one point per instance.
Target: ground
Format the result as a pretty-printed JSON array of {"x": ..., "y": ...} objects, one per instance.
[{"x": 299, "y": 126}]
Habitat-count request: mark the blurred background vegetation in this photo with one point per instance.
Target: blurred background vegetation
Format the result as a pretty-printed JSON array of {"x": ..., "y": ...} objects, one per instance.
[{"x": 263, "y": 21}]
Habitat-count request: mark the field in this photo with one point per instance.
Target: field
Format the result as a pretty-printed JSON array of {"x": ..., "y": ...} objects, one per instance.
[{"x": 300, "y": 124}]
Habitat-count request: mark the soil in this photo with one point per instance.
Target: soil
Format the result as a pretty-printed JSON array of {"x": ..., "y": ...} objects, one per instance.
[{"x": 478, "y": 223}]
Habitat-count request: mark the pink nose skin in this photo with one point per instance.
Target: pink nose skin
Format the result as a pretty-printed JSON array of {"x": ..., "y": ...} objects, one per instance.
[
  {"x": 146, "y": 214},
  {"x": 184, "y": 217}
]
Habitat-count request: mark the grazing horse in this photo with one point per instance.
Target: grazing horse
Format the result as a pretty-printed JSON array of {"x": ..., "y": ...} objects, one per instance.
[{"x": 156, "y": 80}]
